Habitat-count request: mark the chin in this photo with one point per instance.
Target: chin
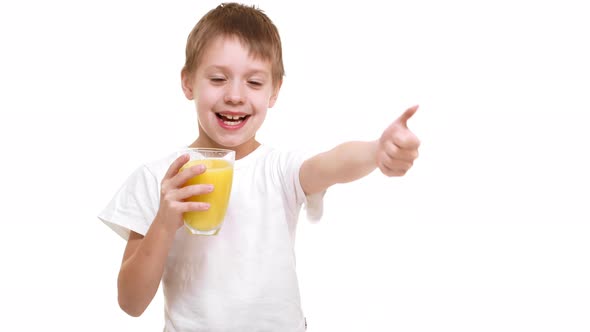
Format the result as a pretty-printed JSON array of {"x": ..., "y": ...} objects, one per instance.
[{"x": 231, "y": 143}]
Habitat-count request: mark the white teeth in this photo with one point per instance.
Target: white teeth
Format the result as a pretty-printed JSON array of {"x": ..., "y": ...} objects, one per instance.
[
  {"x": 233, "y": 117},
  {"x": 231, "y": 120}
]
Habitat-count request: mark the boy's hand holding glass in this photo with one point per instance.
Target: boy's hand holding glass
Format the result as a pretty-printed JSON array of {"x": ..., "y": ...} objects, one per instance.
[
  {"x": 174, "y": 195},
  {"x": 195, "y": 190},
  {"x": 398, "y": 146},
  {"x": 219, "y": 164}
]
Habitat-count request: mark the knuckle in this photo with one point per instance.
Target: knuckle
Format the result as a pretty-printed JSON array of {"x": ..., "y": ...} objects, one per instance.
[
  {"x": 199, "y": 206},
  {"x": 391, "y": 149},
  {"x": 193, "y": 191},
  {"x": 164, "y": 186},
  {"x": 176, "y": 206},
  {"x": 167, "y": 199},
  {"x": 401, "y": 140},
  {"x": 165, "y": 192},
  {"x": 385, "y": 157},
  {"x": 199, "y": 189},
  {"x": 198, "y": 169}
]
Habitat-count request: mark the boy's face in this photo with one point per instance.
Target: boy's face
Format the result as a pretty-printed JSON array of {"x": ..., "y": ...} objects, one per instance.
[{"x": 232, "y": 92}]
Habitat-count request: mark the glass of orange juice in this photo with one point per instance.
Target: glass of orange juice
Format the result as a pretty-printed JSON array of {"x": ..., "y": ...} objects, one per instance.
[{"x": 219, "y": 172}]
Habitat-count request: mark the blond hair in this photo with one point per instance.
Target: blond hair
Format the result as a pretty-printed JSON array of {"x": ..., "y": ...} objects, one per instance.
[{"x": 249, "y": 24}]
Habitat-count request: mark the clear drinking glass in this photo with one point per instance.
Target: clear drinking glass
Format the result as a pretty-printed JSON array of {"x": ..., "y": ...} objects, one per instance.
[{"x": 219, "y": 173}]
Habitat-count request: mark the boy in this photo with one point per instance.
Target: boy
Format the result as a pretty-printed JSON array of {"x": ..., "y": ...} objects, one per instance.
[{"x": 242, "y": 279}]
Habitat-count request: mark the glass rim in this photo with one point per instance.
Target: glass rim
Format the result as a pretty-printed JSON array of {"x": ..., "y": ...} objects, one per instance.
[{"x": 207, "y": 149}]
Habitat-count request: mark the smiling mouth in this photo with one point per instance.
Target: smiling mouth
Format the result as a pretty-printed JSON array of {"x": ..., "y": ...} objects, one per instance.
[{"x": 232, "y": 120}]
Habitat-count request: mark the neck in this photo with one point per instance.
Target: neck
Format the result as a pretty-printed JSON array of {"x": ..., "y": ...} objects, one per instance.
[{"x": 241, "y": 150}]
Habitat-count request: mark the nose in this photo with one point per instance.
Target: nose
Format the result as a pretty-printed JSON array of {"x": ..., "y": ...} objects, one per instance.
[{"x": 234, "y": 93}]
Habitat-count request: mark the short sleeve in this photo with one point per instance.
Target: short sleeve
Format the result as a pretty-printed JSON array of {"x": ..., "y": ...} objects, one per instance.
[
  {"x": 313, "y": 204},
  {"x": 134, "y": 206}
]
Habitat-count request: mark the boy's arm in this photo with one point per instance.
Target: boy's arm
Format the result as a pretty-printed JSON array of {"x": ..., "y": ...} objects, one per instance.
[
  {"x": 142, "y": 268},
  {"x": 393, "y": 153},
  {"x": 145, "y": 257}
]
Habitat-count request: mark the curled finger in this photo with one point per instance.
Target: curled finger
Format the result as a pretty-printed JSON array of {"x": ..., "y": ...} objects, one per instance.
[
  {"x": 175, "y": 166},
  {"x": 192, "y": 191},
  {"x": 187, "y": 173},
  {"x": 195, "y": 206}
]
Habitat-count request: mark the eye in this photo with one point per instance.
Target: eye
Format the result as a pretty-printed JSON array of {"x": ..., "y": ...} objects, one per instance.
[
  {"x": 217, "y": 79},
  {"x": 255, "y": 83}
]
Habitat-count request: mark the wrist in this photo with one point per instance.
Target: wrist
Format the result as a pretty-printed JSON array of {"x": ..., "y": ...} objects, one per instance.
[
  {"x": 163, "y": 229},
  {"x": 373, "y": 151}
]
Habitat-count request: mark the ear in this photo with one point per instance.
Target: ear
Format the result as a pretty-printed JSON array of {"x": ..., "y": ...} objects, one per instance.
[
  {"x": 275, "y": 94},
  {"x": 186, "y": 80}
]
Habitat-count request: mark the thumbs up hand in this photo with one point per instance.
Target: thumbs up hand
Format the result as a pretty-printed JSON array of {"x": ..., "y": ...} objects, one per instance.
[{"x": 398, "y": 146}]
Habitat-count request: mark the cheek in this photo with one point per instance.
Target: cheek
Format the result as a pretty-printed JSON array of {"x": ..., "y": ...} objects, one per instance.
[
  {"x": 204, "y": 107},
  {"x": 205, "y": 98},
  {"x": 263, "y": 100}
]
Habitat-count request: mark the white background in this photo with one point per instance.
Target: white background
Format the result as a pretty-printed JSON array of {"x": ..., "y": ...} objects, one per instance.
[{"x": 490, "y": 231}]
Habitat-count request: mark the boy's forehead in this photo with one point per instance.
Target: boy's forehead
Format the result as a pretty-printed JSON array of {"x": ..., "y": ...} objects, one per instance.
[
  {"x": 226, "y": 46},
  {"x": 222, "y": 41}
]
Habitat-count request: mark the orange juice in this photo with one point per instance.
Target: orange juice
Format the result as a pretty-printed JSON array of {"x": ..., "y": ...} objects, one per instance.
[{"x": 219, "y": 173}]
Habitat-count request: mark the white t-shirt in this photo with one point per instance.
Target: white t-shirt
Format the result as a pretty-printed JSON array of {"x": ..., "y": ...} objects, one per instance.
[{"x": 244, "y": 278}]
